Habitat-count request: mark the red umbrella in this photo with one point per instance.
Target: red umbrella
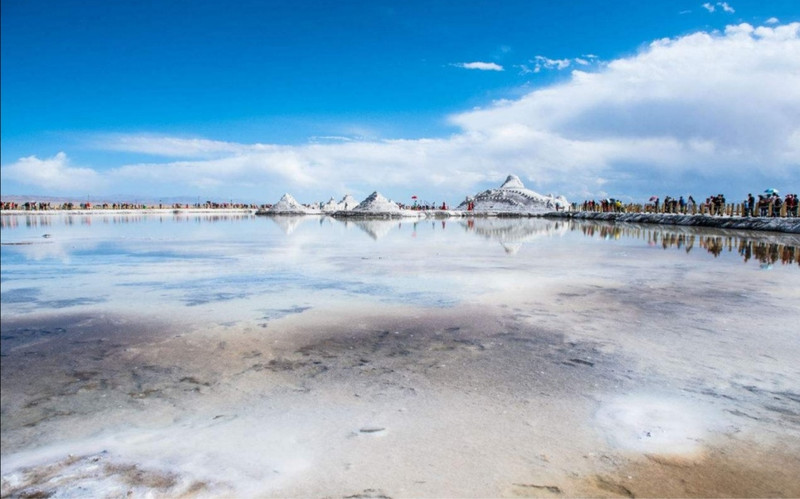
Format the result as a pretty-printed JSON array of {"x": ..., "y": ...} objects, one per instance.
[{"x": 413, "y": 197}]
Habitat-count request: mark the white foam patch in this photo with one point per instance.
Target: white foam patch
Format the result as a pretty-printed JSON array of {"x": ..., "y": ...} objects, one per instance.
[{"x": 657, "y": 425}]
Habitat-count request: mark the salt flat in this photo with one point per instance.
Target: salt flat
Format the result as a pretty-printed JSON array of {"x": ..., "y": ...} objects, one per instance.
[{"x": 505, "y": 358}]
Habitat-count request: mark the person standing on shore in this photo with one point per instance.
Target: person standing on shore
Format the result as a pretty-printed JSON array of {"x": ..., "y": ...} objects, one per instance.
[
  {"x": 762, "y": 205},
  {"x": 791, "y": 205},
  {"x": 776, "y": 205},
  {"x": 749, "y": 205},
  {"x": 719, "y": 202}
]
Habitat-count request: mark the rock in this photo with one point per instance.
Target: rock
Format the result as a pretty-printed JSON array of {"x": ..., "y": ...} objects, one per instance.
[{"x": 372, "y": 429}]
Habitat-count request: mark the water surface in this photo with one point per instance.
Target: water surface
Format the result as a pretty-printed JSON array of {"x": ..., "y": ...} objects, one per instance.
[{"x": 298, "y": 356}]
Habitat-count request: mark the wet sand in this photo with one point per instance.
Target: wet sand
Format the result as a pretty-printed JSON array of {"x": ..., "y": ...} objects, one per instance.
[{"x": 538, "y": 399}]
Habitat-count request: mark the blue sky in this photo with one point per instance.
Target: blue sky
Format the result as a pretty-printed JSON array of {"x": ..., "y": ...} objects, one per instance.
[{"x": 247, "y": 100}]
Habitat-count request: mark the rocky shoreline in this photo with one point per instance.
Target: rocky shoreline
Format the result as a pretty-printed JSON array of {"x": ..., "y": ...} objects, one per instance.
[{"x": 788, "y": 225}]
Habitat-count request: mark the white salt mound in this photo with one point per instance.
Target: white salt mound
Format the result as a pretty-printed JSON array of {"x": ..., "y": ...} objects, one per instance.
[
  {"x": 331, "y": 205},
  {"x": 288, "y": 205},
  {"x": 513, "y": 197},
  {"x": 346, "y": 204},
  {"x": 376, "y": 203}
]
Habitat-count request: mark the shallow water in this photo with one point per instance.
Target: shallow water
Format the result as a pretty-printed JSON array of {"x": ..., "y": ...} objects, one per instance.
[{"x": 296, "y": 356}]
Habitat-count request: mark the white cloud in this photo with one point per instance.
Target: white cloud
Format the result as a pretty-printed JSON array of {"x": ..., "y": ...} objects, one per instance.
[
  {"x": 727, "y": 8},
  {"x": 482, "y": 66},
  {"x": 772, "y": 20},
  {"x": 546, "y": 63},
  {"x": 722, "y": 5},
  {"x": 167, "y": 146},
  {"x": 54, "y": 174},
  {"x": 726, "y": 103},
  {"x": 540, "y": 63},
  {"x": 330, "y": 138},
  {"x": 710, "y": 108}
]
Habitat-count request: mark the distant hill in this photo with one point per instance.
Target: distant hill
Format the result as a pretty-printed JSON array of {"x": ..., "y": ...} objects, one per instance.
[{"x": 150, "y": 201}]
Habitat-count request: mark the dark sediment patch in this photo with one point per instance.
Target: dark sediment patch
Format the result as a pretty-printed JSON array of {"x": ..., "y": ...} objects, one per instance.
[
  {"x": 369, "y": 494},
  {"x": 70, "y": 366},
  {"x": 536, "y": 490},
  {"x": 465, "y": 350}
]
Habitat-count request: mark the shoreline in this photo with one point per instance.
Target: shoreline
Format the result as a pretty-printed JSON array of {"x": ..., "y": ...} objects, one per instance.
[
  {"x": 766, "y": 224},
  {"x": 785, "y": 225},
  {"x": 132, "y": 211}
]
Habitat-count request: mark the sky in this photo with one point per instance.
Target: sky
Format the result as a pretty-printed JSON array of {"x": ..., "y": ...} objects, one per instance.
[{"x": 246, "y": 100}]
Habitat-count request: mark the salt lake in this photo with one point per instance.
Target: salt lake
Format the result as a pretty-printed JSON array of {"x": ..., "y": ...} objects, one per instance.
[{"x": 207, "y": 355}]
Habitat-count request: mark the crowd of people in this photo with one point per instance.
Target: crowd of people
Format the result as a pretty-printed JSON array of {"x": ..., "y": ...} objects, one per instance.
[
  {"x": 427, "y": 206},
  {"x": 26, "y": 206},
  {"x": 604, "y": 205},
  {"x": 768, "y": 204},
  {"x": 771, "y": 204},
  {"x": 49, "y": 206}
]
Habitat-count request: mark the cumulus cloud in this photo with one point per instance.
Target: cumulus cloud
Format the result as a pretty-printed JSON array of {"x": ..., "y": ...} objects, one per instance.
[
  {"x": 710, "y": 107},
  {"x": 482, "y": 66},
  {"x": 724, "y": 102},
  {"x": 54, "y": 174}
]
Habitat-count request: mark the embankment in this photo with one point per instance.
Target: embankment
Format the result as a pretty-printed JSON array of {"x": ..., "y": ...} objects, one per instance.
[{"x": 788, "y": 225}]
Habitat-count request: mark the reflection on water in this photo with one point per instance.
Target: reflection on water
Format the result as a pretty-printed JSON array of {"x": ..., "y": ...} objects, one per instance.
[
  {"x": 767, "y": 249},
  {"x": 290, "y": 223},
  {"x": 512, "y": 233},
  {"x": 374, "y": 230},
  {"x": 16, "y": 221},
  {"x": 514, "y": 230}
]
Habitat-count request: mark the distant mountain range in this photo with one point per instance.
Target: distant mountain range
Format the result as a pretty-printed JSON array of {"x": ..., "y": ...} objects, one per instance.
[{"x": 22, "y": 198}]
